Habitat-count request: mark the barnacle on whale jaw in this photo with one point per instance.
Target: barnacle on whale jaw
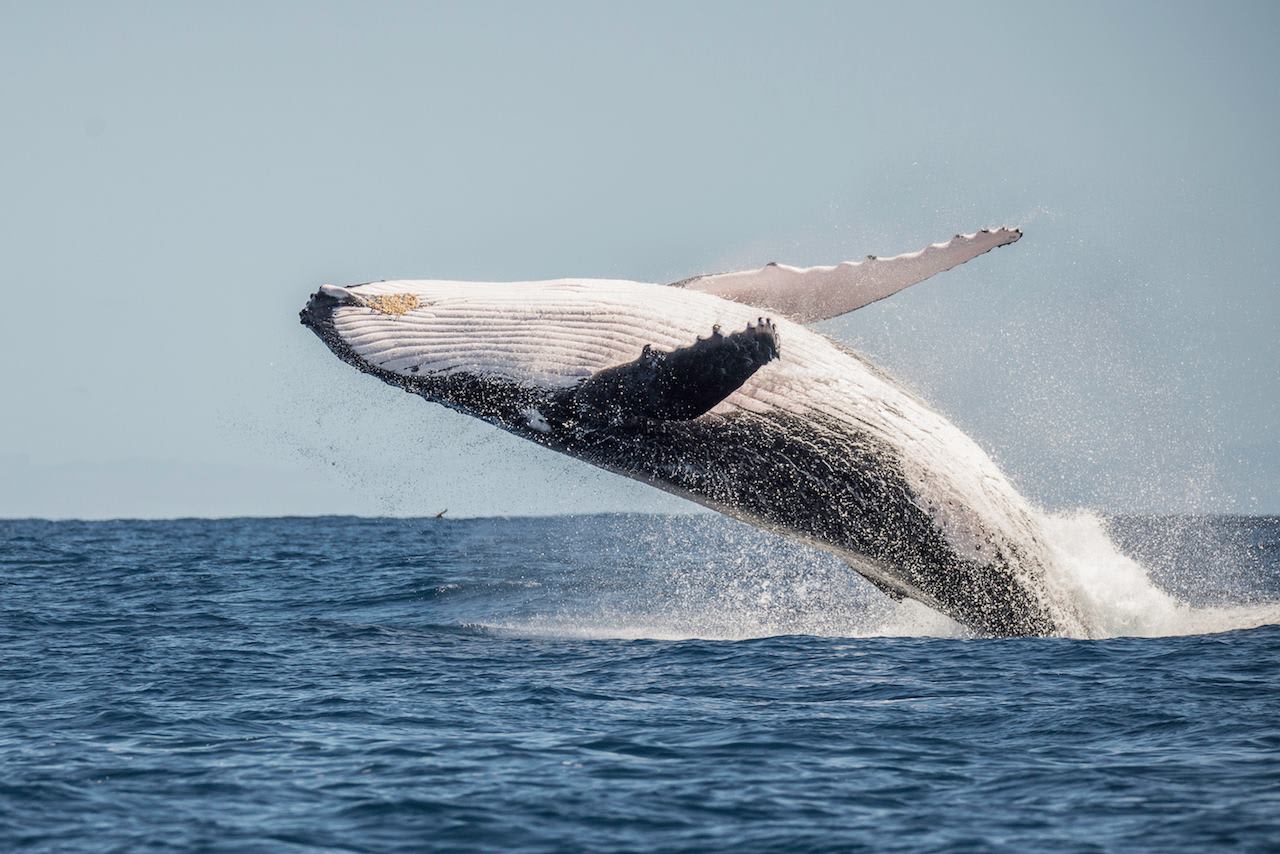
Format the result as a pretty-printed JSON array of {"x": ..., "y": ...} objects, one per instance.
[{"x": 393, "y": 304}]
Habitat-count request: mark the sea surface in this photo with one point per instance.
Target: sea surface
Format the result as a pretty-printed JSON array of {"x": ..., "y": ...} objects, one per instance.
[{"x": 616, "y": 682}]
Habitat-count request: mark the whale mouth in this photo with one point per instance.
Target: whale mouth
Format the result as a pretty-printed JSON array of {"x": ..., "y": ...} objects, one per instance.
[{"x": 317, "y": 315}]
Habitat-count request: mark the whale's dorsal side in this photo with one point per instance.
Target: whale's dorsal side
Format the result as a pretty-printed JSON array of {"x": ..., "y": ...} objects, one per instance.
[{"x": 810, "y": 294}]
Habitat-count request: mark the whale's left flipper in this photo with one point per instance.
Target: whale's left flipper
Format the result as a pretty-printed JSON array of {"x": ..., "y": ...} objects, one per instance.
[
  {"x": 675, "y": 386},
  {"x": 809, "y": 294}
]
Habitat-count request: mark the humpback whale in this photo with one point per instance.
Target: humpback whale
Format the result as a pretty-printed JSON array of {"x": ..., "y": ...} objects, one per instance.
[{"x": 713, "y": 388}]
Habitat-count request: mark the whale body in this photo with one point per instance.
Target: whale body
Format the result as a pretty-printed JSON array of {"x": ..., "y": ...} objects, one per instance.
[{"x": 714, "y": 389}]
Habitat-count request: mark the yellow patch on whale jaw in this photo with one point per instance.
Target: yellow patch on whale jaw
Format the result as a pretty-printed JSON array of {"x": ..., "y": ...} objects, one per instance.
[{"x": 394, "y": 304}]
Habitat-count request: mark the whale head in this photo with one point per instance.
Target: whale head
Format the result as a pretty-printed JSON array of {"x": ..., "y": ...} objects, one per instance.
[{"x": 534, "y": 356}]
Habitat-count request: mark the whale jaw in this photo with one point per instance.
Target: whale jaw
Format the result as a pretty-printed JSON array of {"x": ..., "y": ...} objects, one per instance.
[{"x": 491, "y": 398}]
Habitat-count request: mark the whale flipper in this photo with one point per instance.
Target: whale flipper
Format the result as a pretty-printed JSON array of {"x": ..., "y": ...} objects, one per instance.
[
  {"x": 678, "y": 385},
  {"x": 810, "y": 294}
]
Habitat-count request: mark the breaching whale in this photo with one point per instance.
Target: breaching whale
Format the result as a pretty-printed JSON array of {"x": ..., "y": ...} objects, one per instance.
[{"x": 713, "y": 389}]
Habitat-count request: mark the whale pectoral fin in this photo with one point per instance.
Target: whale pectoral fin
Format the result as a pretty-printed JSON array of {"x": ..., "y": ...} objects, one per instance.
[
  {"x": 810, "y": 294},
  {"x": 675, "y": 386}
]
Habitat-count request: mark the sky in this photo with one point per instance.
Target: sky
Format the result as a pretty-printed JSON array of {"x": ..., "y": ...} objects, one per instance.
[{"x": 176, "y": 179}]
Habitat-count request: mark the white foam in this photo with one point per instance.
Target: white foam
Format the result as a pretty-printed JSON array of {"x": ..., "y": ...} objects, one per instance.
[
  {"x": 1114, "y": 594},
  {"x": 907, "y": 618},
  {"x": 744, "y": 593},
  {"x": 800, "y": 592}
]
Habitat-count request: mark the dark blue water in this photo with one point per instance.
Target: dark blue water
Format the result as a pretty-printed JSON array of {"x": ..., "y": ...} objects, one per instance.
[{"x": 404, "y": 684}]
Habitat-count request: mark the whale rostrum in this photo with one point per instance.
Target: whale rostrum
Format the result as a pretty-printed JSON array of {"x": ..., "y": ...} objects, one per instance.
[{"x": 690, "y": 388}]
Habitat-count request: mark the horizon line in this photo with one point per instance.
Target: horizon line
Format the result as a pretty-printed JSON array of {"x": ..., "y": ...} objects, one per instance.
[{"x": 584, "y": 515}]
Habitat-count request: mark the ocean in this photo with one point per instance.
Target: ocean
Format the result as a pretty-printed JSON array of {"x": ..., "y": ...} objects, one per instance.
[{"x": 622, "y": 683}]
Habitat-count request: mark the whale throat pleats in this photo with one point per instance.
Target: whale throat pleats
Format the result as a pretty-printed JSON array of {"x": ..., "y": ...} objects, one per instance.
[{"x": 810, "y": 294}]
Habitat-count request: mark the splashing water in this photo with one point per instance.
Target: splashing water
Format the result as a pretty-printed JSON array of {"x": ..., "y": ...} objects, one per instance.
[
  {"x": 739, "y": 583},
  {"x": 1116, "y": 596}
]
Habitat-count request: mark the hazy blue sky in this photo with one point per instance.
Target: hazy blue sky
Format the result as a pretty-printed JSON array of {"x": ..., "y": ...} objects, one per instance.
[{"x": 175, "y": 179}]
